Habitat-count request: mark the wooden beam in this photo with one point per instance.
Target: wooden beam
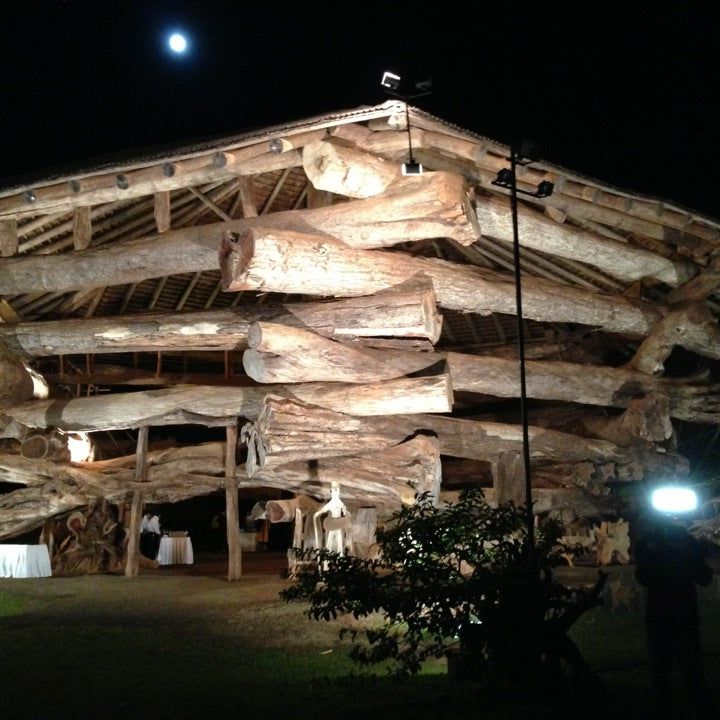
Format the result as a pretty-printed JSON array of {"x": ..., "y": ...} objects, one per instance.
[
  {"x": 289, "y": 431},
  {"x": 246, "y": 193},
  {"x": 232, "y": 512},
  {"x": 406, "y": 310},
  {"x": 132, "y": 563},
  {"x": 216, "y": 406},
  {"x": 698, "y": 288},
  {"x": 621, "y": 260},
  {"x": 347, "y": 171},
  {"x": 432, "y": 205},
  {"x": 162, "y": 211},
  {"x": 82, "y": 227},
  {"x": 693, "y": 327},
  {"x": 271, "y": 260},
  {"x": 8, "y": 237}
]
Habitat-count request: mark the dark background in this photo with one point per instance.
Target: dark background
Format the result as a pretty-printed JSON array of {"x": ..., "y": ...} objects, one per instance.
[{"x": 623, "y": 92}]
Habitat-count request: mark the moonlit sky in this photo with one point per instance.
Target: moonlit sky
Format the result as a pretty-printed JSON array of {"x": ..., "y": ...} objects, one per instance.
[{"x": 625, "y": 96}]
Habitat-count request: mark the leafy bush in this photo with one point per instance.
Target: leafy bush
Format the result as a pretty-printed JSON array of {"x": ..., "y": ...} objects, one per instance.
[{"x": 462, "y": 580}]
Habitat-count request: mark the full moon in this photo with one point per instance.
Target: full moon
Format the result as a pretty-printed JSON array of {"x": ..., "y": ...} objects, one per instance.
[{"x": 177, "y": 43}]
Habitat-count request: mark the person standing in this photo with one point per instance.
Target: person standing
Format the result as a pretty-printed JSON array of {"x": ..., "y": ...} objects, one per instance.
[
  {"x": 670, "y": 562},
  {"x": 150, "y": 535}
]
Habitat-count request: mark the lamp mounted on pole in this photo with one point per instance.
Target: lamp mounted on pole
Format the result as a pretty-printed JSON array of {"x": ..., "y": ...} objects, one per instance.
[
  {"x": 391, "y": 83},
  {"x": 507, "y": 178}
]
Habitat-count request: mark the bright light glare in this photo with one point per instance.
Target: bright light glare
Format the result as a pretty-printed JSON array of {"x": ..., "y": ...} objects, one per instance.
[
  {"x": 80, "y": 447},
  {"x": 177, "y": 43},
  {"x": 674, "y": 499}
]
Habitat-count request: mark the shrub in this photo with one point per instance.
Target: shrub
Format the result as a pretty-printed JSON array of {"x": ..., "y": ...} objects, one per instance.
[{"x": 462, "y": 580}]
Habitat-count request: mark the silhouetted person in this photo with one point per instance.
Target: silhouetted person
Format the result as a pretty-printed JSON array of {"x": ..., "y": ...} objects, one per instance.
[
  {"x": 670, "y": 562},
  {"x": 150, "y": 535}
]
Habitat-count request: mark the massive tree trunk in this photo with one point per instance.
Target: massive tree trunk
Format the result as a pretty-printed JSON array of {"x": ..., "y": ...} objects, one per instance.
[
  {"x": 406, "y": 310},
  {"x": 16, "y": 383},
  {"x": 347, "y": 171},
  {"x": 430, "y": 206},
  {"x": 284, "y": 261},
  {"x": 540, "y": 233},
  {"x": 54, "y": 488},
  {"x": 693, "y": 327},
  {"x": 280, "y": 354},
  {"x": 201, "y": 405},
  {"x": 288, "y": 431},
  {"x": 388, "y": 477}
]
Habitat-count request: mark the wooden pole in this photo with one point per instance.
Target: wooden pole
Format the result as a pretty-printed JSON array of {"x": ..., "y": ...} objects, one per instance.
[
  {"x": 132, "y": 562},
  {"x": 232, "y": 511}
]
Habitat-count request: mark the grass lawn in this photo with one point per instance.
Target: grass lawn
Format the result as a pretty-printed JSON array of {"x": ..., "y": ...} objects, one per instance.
[{"x": 181, "y": 646}]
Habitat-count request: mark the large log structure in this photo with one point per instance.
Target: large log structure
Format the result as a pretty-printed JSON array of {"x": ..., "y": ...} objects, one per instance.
[{"x": 354, "y": 323}]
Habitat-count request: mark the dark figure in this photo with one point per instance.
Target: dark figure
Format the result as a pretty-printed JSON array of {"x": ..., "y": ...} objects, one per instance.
[
  {"x": 150, "y": 535},
  {"x": 670, "y": 562}
]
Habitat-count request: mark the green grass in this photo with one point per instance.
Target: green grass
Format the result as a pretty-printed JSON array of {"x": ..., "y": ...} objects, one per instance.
[
  {"x": 186, "y": 647},
  {"x": 9, "y": 605}
]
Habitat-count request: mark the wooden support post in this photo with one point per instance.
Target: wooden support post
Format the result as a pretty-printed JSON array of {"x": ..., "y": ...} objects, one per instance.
[
  {"x": 161, "y": 211},
  {"x": 8, "y": 237},
  {"x": 82, "y": 227},
  {"x": 508, "y": 479},
  {"x": 232, "y": 511},
  {"x": 132, "y": 562}
]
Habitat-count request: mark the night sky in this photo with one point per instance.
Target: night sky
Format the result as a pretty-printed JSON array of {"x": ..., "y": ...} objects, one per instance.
[{"x": 623, "y": 92}]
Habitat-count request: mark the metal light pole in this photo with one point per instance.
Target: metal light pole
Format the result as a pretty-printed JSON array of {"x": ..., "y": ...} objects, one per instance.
[{"x": 508, "y": 179}]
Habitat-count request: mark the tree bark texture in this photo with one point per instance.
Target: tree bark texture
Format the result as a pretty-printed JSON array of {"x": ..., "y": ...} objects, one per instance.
[
  {"x": 429, "y": 206},
  {"x": 202, "y": 405},
  {"x": 406, "y": 310},
  {"x": 283, "y": 261}
]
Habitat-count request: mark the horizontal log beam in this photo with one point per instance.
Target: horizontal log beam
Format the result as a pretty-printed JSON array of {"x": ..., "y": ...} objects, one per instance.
[
  {"x": 412, "y": 209},
  {"x": 406, "y": 310},
  {"x": 536, "y": 231},
  {"x": 272, "y": 261},
  {"x": 280, "y": 354},
  {"x": 391, "y": 476},
  {"x": 215, "y": 406},
  {"x": 290, "y": 431}
]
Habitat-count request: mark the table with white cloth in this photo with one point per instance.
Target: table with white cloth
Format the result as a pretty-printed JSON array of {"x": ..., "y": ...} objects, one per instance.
[
  {"x": 24, "y": 561},
  {"x": 175, "y": 550}
]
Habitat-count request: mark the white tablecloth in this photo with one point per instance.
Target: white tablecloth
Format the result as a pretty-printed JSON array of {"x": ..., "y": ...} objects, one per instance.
[
  {"x": 175, "y": 551},
  {"x": 23, "y": 561}
]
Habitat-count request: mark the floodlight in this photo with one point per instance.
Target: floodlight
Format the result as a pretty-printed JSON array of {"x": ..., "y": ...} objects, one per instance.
[
  {"x": 674, "y": 499},
  {"x": 412, "y": 168},
  {"x": 390, "y": 80}
]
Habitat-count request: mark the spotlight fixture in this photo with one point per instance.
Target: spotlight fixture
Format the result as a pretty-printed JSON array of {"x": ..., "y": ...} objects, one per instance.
[
  {"x": 276, "y": 146},
  {"x": 75, "y": 186},
  {"x": 122, "y": 182},
  {"x": 412, "y": 168},
  {"x": 674, "y": 499},
  {"x": 390, "y": 80},
  {"x": 30, "y": 196},
  {"x": 504, "y": 179}
]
